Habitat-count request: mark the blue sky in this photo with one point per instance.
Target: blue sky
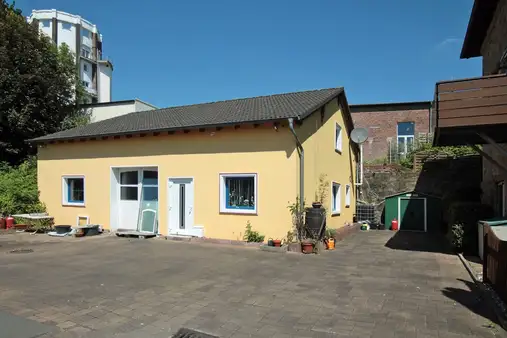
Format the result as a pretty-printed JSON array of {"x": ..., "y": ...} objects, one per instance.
[{"x": 182, "y": 52}]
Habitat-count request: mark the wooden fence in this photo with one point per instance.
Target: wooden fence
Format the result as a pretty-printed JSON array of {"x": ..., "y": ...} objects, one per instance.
[{"x": 494, "y": 265}]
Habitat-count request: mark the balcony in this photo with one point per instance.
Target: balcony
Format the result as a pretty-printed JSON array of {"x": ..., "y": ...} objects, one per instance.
[{"x": 469, "y": 111}]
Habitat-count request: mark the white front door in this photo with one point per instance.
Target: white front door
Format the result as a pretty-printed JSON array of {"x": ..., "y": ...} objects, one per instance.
[
  {"x": 129, "y": 199},
  {"x": 181, "y": 206}
]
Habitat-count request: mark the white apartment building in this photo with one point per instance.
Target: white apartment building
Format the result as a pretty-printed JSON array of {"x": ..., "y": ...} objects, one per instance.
[
  {"x": 84, "y": 40},
  {"x": 108, "y": 110}
]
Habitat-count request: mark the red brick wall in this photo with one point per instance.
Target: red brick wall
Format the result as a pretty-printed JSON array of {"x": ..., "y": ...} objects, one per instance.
[{"x": 382, "y": 126}]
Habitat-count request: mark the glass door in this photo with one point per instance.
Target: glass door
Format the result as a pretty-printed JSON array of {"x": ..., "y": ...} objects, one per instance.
[
  {"x": 149, "y": 201},
  {"x": 129, "y": 199}
]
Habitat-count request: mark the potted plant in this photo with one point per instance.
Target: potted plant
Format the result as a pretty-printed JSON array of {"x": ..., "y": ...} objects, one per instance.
[
  {"x": 330, "y": 239},
  {"x": 321, "y": 192},
  {"x": 307, "y": 246}
]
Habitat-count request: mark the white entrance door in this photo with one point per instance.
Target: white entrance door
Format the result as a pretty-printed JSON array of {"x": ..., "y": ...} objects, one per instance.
[
  {"x": 129, "y": 199},
  {"x": 181, "y": 206}
]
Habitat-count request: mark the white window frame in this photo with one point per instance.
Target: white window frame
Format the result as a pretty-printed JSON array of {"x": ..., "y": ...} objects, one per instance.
[
  {"x": 67, "y": 26},
  {"x": 65, "y": 192},
  {"x": 336, "y": 200},
  {"x": 46, "y": 23},
  {"x": 223, "y": 199},
  {"x": 347, "y": 195},
  {"x": 85, "y": 53},
  {"x": 338, "y": 143}
]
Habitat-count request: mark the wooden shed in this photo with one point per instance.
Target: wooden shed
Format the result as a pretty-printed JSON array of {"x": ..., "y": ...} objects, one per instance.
[{"x": 414, "y": 211}]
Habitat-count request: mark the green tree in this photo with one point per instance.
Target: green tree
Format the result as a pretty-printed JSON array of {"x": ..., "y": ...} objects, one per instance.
[{"x": 39, "y": 86}]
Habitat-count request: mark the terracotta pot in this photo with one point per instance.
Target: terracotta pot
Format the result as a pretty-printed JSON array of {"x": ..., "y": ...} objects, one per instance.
[
  {"x": 277, "y": 243},
  {"x": 307, "y": 247}
]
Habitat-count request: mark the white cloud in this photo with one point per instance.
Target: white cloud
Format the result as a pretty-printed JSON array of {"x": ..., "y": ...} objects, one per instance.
[{"x": 447, "y": 42}]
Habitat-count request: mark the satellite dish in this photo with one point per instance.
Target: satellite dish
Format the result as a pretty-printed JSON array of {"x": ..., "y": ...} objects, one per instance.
[{"x": 359, "y": 135}]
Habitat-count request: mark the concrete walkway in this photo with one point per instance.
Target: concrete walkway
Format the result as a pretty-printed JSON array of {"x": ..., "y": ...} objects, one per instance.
[{"x": 370, "y": 286}]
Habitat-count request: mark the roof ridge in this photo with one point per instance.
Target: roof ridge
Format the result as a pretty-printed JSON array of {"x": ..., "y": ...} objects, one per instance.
[{"x": 247, "y": 98}]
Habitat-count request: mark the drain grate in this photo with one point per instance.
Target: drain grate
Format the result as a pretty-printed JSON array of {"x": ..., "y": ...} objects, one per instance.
[
  {"x": 21, "y": 251},
  {"x": 187, "y": 333}
]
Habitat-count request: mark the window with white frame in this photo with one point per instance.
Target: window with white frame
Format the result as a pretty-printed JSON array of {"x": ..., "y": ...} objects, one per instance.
[
  {"x": 238, "y": 193},
  {"x": 46, "y": 23},
  {"x": 338, "y": 138},
  {"x": 406, "y": 132},
  {"x": 85, "y": 53},
  {"x": 73, "y": 191},
  {"x": 347, "y": 195},
  {"x": 336, "y": 198},
  {"x": 66, "y": 26},
  {"x": 85, "y": 33},
  {"x": 85, "y": 67}
]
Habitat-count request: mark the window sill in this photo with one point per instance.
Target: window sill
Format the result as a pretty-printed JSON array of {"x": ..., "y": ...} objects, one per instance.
[
  {"x": 238, "y": 212},
  {"x": 67, "y": 204},
  {"x": 347, "y": 206},
  {"x": 338, "y": 151},
  {"x": 335, "y": 213}
]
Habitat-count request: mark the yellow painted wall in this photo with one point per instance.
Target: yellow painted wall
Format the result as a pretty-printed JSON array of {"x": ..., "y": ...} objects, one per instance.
[
  {"x": 318, "y": 138},
  {"x": 203, "y": 156},
  {"x": 264, "y": 151}
]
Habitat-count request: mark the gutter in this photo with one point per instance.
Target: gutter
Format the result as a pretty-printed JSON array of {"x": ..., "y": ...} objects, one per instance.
[{"x": 301, "y": 153}]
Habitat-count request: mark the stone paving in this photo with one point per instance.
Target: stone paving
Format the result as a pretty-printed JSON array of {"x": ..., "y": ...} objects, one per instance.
[{"x": 116, "y": 287}]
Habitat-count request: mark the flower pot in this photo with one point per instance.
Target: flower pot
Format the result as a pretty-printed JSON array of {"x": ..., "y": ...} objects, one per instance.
[
  {"x": 307, "y": 247},
  {"x": 277, "y": 243},
  {"x": 330, "y": 244}
]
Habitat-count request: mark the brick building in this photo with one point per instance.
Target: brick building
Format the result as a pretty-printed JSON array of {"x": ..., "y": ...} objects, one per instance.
[{"x": 400, "y": 123}]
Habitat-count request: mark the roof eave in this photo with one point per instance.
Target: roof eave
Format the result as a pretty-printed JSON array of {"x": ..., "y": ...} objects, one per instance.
[
  {"x": 151, "y": 131},
  {"x": 478, "y": 25}
]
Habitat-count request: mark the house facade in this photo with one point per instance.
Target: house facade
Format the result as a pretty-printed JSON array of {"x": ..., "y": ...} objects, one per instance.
[
  {"x": 392, "y": 127},
  {"x": 204, "y": 170},
  {"x": 474, "y": 111}
]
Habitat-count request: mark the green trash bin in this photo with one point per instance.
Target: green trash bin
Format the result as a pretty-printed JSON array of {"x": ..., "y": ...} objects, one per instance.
[{"x": 492, "y": 222}]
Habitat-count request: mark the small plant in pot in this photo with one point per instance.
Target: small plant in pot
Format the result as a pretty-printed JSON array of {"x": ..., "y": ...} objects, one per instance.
[
  {"x": 330, "y": 239},
  {"x": 321, "y": 192},
  {"x": 307, "y": 246}
]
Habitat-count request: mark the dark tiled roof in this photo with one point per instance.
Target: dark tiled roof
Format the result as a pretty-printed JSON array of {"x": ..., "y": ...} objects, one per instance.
[{"x": 250, "y": 110}]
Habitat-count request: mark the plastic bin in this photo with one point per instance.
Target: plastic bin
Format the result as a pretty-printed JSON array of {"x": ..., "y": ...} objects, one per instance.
[{"x": 480, "y": 227}]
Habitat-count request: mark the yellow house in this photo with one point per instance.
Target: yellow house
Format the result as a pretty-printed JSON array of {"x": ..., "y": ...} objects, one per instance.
[{"x": 206, "y": 169}]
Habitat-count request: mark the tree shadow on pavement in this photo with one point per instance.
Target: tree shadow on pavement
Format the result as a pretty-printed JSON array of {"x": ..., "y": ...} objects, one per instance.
[{"x": 472, "y": 299}]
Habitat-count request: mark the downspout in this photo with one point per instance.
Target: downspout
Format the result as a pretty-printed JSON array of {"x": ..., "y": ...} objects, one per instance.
[{"x": 301, "y": 153}]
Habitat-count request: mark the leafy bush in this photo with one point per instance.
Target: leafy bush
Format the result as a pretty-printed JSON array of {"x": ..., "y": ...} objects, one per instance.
[
  {"x": 457, "y": 234},
  {"x": 252, "y": 235},
  {"x": 18, "y": 189},
  {"x": 463, "y": 218},
  {"x": 428, "y": 150}
]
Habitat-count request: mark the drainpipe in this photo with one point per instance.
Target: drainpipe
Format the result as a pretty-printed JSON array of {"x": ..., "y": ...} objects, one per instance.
[{"x": 301, "y": 165}]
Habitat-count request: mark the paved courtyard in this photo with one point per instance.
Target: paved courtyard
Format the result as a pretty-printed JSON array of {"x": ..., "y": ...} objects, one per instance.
[{"x": 108, "y": 286}]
